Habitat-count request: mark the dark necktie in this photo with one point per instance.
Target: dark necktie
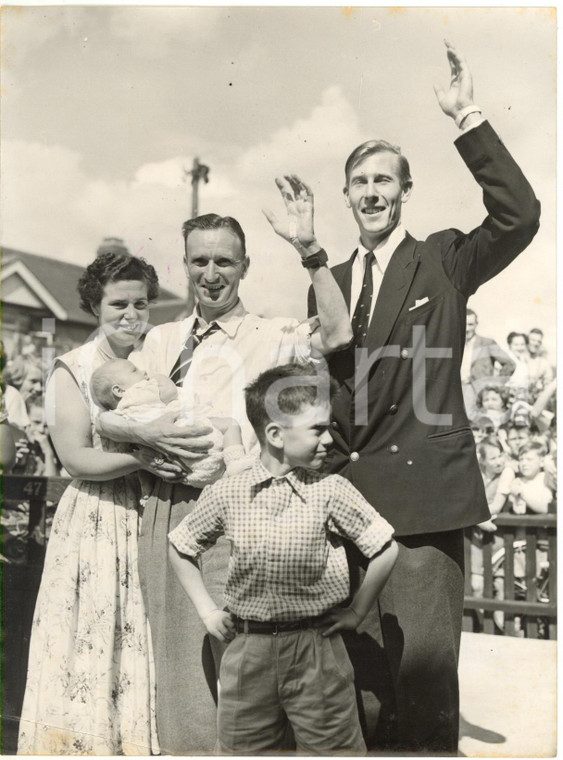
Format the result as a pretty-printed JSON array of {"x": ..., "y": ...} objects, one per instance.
[
  {"x": 184, "y": 360},
  {"x": 360, "y": 319}
]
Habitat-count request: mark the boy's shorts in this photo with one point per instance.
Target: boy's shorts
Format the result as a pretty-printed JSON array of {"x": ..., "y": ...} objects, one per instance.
[{"x": 297, "y": 676}]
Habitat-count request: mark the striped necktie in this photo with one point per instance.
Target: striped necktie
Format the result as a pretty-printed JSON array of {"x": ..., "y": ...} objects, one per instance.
[
  {"x": 360, "y": 319},
  {"x": 184, "y": 360}
]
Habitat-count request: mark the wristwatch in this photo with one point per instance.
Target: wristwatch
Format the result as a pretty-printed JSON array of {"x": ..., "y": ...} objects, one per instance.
[{"x": 315, "y": 260}]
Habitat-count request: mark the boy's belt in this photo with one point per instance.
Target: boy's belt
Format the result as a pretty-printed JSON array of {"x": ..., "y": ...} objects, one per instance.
[{"x": 273, "y": 627}]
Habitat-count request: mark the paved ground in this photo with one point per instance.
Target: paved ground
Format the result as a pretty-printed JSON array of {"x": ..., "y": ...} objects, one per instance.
[{"x": 508, "y": 697}]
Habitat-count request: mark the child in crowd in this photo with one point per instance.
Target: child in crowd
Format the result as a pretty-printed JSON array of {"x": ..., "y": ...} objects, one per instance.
[
  {"x": 497, "y": 479},
  {"x": 36, "y": 455},
  {"x": 287, "y": 577},
  {"x": 529, "y": 491},
  {"x": 120, "y": 386}
]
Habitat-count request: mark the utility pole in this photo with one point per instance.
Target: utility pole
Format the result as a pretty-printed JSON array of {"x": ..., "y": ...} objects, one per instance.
[{"x": 198, "y": 172}]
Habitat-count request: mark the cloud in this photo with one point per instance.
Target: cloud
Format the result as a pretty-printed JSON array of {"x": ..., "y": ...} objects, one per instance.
[
  {"x": 153, "y": 30},
  {"x": 52, "y": 206}
]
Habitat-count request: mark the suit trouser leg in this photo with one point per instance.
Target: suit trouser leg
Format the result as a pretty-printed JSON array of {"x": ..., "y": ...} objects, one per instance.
[
  {"x": 185, "y": 672},
  {"x": 421, "y": 611},
  {"x": 405, "y": 653}
]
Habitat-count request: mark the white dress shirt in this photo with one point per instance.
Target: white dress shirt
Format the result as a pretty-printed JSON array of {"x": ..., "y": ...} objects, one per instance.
[
  {"x": 383, "y": 255},
  {"x": 467, "y": 360}
]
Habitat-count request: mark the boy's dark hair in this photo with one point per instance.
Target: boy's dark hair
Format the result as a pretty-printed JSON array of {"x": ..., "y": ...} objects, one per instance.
[
  {"x": 290, "y": 399},
  {"x": 535, "y": 446}
]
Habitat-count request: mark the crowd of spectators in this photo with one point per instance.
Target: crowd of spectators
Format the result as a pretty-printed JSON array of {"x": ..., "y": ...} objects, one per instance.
[{"x": 512, "y": 411}]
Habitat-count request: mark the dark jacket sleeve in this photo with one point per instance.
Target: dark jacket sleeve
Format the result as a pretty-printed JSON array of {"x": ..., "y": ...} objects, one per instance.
[
  {"x": 513, "y": 213},
  {"x": 311, "y": 303}
]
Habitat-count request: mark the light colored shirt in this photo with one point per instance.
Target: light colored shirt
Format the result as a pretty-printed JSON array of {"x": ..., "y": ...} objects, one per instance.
[
  {"x": 227, "y": 361},
  {"x": 540, "y": 371},
  {"x": 498, "y": 486},
  {"x": 284, "y": 565},
  {"x": 467, "y": 360},
  {"x": 383, "y": 255},
  {"x": 15, "y": 407}
]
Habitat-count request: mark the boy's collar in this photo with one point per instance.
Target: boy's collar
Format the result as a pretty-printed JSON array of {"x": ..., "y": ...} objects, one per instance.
[{"x": 297, "y": 477}]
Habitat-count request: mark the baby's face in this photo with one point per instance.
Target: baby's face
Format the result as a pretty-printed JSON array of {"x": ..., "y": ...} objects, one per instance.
[{"x": 127, "y": 375}]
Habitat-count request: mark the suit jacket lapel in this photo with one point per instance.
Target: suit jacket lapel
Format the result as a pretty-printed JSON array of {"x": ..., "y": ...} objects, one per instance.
[
  {"x": 393, "y": 292},
  {"x": 343, "y": 366},
  {"x": 343, "y": 277}
]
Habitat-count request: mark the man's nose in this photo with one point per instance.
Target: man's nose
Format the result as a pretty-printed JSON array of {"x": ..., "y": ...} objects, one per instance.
[
  {"x": 211, "y": 271},
  {"x": 371, "y": 189}
]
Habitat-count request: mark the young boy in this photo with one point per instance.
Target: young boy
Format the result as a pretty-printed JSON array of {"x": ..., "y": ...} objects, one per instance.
[
  {"x": 529, "y": 491},
  {"x": 287, "y": 577}
]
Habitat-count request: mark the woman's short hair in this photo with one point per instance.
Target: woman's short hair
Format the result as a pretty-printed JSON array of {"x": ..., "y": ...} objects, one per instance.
[
  {"x": 113, "y": 266},
  {"x": 510, "y": 337},
  {"x": 495, "y": 389}
]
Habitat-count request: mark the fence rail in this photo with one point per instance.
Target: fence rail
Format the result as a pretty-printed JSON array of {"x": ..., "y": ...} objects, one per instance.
[{"x": 519, "y": 577}]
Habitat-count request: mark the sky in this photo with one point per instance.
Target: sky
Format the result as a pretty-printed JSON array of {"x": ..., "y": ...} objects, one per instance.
[{"x": 104, "y": 108}]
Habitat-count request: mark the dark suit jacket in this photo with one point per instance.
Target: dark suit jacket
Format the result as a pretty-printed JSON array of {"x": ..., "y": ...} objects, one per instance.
[
  {"x": 486, "y": 352},
  {"x": 422, "y": 476}
]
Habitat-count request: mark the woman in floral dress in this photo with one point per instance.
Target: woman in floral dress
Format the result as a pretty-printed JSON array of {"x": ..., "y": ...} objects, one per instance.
[{"x": 90, "y": 685}]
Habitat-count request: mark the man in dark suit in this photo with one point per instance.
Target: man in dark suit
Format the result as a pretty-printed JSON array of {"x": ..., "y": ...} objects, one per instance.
[{"x": 400, "y": 429}]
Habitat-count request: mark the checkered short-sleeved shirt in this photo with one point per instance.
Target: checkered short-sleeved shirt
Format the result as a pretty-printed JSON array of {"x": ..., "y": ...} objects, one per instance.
[{"x": 287, "y": 561}]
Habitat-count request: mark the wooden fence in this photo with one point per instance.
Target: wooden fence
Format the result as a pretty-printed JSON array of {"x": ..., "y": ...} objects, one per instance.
[
  {"x": 519, "y": 595},
  {"x": 27, "y": 507}
]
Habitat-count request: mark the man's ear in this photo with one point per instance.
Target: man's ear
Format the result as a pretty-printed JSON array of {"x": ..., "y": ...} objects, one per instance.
[
  {"x": 407, "y": 190},
  {"x": 245, "y": 267},
  {"x": 346, "y": 196},
  {"x": 273, "y": 433},
  {"x": 117, "y": 390},
  {"x": 185, "y": 262}
]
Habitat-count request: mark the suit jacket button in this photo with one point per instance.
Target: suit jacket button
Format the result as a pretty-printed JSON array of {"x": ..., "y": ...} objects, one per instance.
[
  {"x": 404, "y": 353},
  {"x": 393, "y": 409},
  {"x": 334, "y": 424},
  {"x": 394, "y": 449},
  {"x": 354, "y": 456}
]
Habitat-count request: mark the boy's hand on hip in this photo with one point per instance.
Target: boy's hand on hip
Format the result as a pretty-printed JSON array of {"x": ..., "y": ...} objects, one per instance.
[
  {"x": 219, "y": 623},
  {"x": 340, "y": 619}
]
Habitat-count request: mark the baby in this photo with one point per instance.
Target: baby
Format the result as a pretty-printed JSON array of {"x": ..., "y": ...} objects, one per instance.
[{"x": 118, "y": 385}]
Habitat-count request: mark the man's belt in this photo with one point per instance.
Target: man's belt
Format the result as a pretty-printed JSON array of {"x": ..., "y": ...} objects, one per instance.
[{"x": 273, "y": 627}]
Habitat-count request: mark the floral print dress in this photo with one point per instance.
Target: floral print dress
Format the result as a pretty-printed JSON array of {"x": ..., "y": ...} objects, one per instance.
[{"x": 90, "y": 683}]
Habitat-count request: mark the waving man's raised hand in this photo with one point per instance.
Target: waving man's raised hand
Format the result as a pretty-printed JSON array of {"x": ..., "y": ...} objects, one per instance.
[
  {"x": 459, "y": 94},
  {"x": 297, "y": 228}
]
